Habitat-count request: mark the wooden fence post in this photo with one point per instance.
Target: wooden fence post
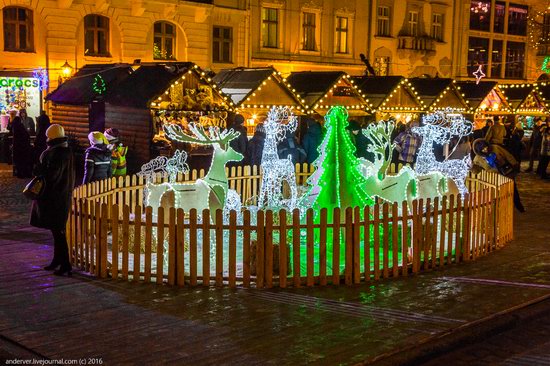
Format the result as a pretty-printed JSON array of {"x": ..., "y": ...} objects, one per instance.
[
  {"x": 268, "y": 239},
  {"x": 283, "y": 252}
]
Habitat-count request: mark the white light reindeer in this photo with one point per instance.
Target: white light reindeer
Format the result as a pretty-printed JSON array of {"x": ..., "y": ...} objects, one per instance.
[
  {"x": 440, "y": 127},
  {"x": 275, "y": 170},
  {"x": 390, "y": 188},
  {"x": 208, "y": 192}
]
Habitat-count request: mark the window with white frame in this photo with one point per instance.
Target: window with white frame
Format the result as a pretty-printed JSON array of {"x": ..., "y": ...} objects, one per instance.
[
  {"x": 413, "y": 23},
  {"x": 383, "y": 21},
  {"x": 308, "y": 31},
  {"x": 341, "y": 36},
  {"x": 437, "y": 26},
  {"x": 270, "y": 27}
]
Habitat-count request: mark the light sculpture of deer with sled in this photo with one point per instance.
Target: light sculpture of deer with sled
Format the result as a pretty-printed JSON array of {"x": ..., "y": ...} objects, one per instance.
[
  {"x": 209, "y": 192},
  {"x": 390, "y": 188}
]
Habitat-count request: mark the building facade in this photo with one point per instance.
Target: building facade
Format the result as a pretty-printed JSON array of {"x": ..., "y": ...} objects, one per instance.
[{"x": 445, "y": 38}]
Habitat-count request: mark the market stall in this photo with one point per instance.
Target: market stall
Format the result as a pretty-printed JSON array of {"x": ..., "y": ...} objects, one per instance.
[
  {"x": 439, "y": 94},
  {"x": 526, "y": 102},
  {"x": 158, "y": 94},
  {"x": 323, "y": 89},
  {"x": 390, "y": 97},
  {"x": 485, "y": 98},
  {"x": 78, "y": 104},
  {"x": 253, "y": 91}
]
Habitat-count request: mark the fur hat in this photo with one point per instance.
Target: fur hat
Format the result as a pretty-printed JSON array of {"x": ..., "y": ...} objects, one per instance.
[
  {"x": 97, "y": 138},
  {"x": 478, "y": 146},
  {"x": 112, "y": 135},
  {"x": 55, "y": 131}
]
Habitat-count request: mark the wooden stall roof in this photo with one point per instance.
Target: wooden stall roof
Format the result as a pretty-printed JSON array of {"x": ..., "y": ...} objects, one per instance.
[
  {"x": 150, "y": 84},
  {"x": 439, "y": 93},
  {"x": 483, "y": 96},
  {"x": 323, "y": 89},
  {"x": 388, "y": 93},
  {"x": 257, "y": 88},
  {"x": 78, "y": 89},
  {"x": 524, "y": 98}
]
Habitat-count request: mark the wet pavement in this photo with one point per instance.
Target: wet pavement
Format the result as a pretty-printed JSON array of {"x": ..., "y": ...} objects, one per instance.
[{"x": 124, "y": 323}]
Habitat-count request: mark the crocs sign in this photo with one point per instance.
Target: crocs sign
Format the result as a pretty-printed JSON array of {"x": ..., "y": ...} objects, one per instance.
[{"x": 20, "y": 92}]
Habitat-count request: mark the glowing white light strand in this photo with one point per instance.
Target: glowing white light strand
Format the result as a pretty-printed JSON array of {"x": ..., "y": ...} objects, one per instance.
[
  {"x": 280, "y": 121},
  {"x": 440, "y": 127}
]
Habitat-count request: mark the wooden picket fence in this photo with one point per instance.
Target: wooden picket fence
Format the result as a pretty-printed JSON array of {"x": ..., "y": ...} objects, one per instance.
[{"x": 111, "y": 234}]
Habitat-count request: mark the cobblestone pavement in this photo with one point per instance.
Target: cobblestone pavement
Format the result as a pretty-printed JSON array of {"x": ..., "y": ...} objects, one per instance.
[{"x": 124, "y": 323}]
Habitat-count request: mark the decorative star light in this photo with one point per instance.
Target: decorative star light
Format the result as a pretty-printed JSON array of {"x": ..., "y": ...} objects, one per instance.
[
  {"x": 42, "y": 76},
  {"x": 279, "y": 122},
  {"x": 479, "y": 74},
  {"x": 439, "y": 128}
]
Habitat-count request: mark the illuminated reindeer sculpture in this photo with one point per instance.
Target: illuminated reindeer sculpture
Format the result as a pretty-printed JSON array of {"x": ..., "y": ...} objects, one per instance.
[
  {"x": 209, "y": 192},
  {"x": 390, "y": 188},
  {"x": 280, "y": 121},
  {"x": 440, "y": 127}
]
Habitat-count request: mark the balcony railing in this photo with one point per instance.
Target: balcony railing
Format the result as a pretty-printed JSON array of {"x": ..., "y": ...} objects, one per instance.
[{"x": 416, "y": 43}]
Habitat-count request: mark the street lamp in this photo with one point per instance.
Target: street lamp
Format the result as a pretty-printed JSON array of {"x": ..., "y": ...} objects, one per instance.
[{"x": 66, "y": 72}]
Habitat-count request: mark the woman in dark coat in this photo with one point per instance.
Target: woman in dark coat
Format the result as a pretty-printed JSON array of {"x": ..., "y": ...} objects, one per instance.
[
  {"x": 51, "y": 210},
  {"x": 40, "y": 143},
  {"x": 21, "y": 150}
]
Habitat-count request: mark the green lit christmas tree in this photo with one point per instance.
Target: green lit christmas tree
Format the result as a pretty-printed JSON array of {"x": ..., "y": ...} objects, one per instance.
[{"x": 337, "y": 181}]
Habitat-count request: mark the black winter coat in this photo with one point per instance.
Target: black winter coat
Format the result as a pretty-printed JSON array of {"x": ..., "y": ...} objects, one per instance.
[
  {"x": 97, "y": 163},
  {"x": 312, "y": 140},
  {"x": 256, "y": 148},
  {"x": 51, "y": 210}
]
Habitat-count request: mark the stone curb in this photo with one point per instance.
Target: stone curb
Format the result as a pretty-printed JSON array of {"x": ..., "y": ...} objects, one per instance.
[{"x": 463, "y": 335}]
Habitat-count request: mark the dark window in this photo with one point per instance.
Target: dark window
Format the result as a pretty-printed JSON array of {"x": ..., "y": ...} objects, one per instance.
[
  {"x": 18, "y": 29},
  {"x": 496, "y": 59},
  {"x": 308, "y": 27},
  {"x": 383, "y": 21},
  {"x": 500, "y": 12},
  {"x": 222, "y": 47},
  {"x": 270, "y": 27},
  {"x": 478, "y": 53},
  {"x": 515, "y": 60},
  {"x": 437, "y": 26},
  {"x": 517, "y": 19},
  {"x": 164, "y": 41},
  {"x": 480, "y": 15},
  {"x": 96, "y": 35},
  {"x": 341, "y": 35}
]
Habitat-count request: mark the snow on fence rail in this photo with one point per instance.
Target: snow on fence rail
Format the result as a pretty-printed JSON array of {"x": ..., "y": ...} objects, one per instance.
[{"x": 111, "y": 234}]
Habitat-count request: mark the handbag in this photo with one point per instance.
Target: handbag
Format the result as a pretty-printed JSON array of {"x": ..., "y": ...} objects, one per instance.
[{"x": 34, "y": 189}]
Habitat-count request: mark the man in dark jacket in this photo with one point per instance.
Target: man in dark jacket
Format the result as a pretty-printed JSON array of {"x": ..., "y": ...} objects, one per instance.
[
  {"x": 256, "y": 145},
  {"x": 535, "y": 142},
  {"x": 312, "y": 139},
  {"x": 51, "y": 210},
  {"x": 21, "y": 149},
  {"x": 360, "y": 141},
  {"x": 240, "y": 144},
  {"x": 98, "y": 159},
  {"x": 40, "y": 142},
  {"x": 289, "y": 146}
]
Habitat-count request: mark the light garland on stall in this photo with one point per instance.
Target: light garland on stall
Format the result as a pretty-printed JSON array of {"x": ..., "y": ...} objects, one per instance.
[
  {"x": 439, "y": 128},
  {"x": 98, "y": 85}
]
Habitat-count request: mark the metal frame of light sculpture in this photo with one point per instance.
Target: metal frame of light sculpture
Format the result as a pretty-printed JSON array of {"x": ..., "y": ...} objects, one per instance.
[
  {"x": 275, "y": 171},
  {"x": 440, "y": 127}
]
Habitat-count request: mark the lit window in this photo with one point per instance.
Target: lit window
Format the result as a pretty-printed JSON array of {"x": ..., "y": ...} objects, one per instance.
[
  {"x": 383, "y": 21},
  {"x": 341, "y": 36},
  {"x": 308, "y": 26},
  {"x": 478, "y": 53},
  {"x": 437, "y": 26},
  {"x": 18, "y": 29},
  {"x": 382, "y": 66},
  {"x": 480, "y": 15},
  {"x": 164, "y": 41},
  {"x": 223, "y": 44},
  {"x": 270, "y": 27},
  {"x": 96, "y": 35},
  {"x": 517, "y": 19}
]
